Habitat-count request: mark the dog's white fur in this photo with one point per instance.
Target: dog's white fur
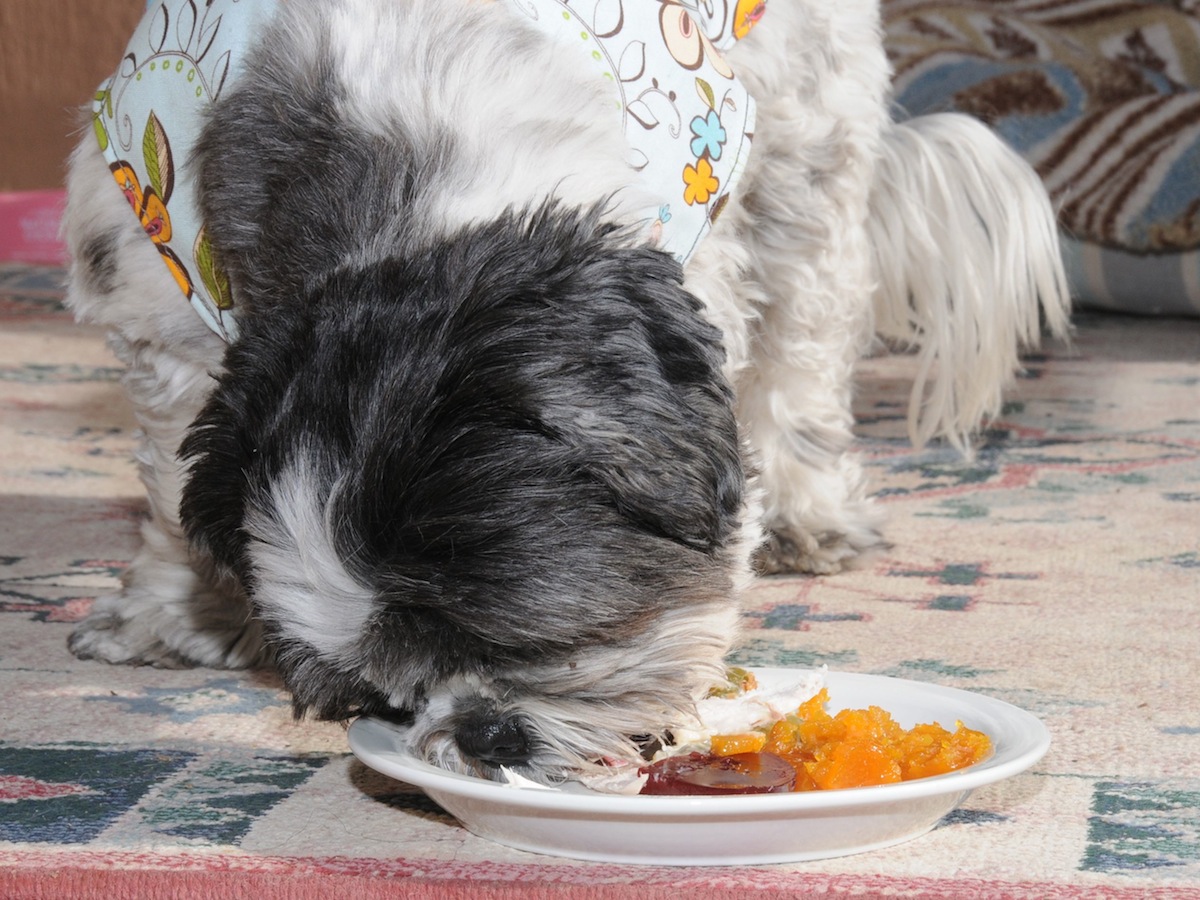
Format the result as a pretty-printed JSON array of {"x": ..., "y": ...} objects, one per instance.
[{"x": 846, "y": 224}]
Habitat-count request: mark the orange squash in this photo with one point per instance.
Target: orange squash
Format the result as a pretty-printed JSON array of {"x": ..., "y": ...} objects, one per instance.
[{"x": 858, "y": 747}]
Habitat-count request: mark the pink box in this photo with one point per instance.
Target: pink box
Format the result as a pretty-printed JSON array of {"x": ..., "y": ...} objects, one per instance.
[{"x": 29, "y": 223}]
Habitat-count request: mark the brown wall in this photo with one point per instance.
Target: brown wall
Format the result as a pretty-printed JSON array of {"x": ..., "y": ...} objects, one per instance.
[{"x": 53, "y": 55}]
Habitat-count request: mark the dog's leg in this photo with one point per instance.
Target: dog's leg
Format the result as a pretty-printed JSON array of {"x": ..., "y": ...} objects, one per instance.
[
  {"x": 794, "y": 405},
  {"x": 809, "y": 179},
  {"x": 795, "y": 412},
  {"x": 794, "y": 398},
  {"x": 171, "y": 610}
]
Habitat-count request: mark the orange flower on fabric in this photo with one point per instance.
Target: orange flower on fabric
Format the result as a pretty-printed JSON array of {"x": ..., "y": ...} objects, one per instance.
[
  {"x": 156, "y": 221},
  {"x": 699, "y": 182},
  {"x": 747, "y": 15},
  {"x": 146, "y": 205}
]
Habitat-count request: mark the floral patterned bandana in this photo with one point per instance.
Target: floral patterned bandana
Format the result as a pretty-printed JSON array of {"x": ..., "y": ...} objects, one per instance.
[
  {"x": 689, "y": 122},
  {"x": 148, "y": 117}
]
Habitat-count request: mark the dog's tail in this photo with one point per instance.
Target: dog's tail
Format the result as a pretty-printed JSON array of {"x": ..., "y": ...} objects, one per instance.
[{"x": 965, "y": 246}]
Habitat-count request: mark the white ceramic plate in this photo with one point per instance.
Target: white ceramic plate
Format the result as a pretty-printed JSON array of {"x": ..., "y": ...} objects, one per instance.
[{"x": 740, "y": 830}]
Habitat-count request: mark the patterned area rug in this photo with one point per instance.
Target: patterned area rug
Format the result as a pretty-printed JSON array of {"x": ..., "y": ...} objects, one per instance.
[{"x": 1058, "y": 570}]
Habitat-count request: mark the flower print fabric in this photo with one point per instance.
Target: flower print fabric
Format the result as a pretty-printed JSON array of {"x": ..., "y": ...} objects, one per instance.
[
  {"x": 147, "y": 118},
  {"x": 688, "y": 120},
  {"x": 699, "y": 182},
  {"x": 710, "y": 135}
]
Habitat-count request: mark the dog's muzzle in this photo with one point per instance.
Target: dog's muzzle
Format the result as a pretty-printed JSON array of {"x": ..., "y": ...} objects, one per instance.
[{"x": 497, "y": 740}]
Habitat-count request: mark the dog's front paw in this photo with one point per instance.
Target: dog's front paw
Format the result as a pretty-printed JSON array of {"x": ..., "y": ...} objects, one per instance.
[
  {"x": 110, "y": 638},
  {"x": 793, "y": 550}
]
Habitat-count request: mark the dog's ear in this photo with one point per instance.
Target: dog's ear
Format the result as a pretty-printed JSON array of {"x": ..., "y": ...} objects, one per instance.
[
  {"x": 659, "y": 430},
  {"x": 220, "y": 453},
  {"x": 233, "y": 448}
]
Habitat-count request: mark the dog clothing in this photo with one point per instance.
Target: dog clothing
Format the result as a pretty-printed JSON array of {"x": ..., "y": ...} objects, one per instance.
[
  {"x": 148, "y": 117},
  {"x": 688, "y": 120}
]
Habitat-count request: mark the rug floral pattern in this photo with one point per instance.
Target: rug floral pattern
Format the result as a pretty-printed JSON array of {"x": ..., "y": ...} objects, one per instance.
[{"x": 1059, "y": 569}]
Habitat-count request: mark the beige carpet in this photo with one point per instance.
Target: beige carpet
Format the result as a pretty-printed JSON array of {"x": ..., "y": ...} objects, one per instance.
[{"x": 1060, "y": 571}]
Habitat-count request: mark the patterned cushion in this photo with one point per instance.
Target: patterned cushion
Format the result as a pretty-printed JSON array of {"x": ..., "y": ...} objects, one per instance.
[{"x": 1103, "y": 99}]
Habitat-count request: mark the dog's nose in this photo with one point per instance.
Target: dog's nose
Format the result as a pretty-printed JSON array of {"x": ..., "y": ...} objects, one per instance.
[{"x": 500, "y": 741}]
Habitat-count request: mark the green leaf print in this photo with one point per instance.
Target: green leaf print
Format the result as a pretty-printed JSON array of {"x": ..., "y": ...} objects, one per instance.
[
  {"x": 103, "y": 107},
  {"x": 157, "y": 152},
  {"x": 213, "y": 276},
  {"x": 704, "y": 89},
  {"x": 104, "y": 98},
  {"x": 101, "y": 132}
]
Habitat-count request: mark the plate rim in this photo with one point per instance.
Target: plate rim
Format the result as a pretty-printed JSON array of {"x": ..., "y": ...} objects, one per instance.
[{"x": 1004, "y": 763}]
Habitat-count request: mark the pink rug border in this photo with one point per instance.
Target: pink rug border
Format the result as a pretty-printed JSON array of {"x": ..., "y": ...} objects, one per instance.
[{"x": 25, "y": 875}]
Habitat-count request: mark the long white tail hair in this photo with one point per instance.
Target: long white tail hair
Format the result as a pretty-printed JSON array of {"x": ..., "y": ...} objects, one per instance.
[{"x": 969, "y": 267}]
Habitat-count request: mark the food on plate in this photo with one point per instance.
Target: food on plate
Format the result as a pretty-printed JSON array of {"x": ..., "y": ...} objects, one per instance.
[
  {"x": 860, "y": 747},
  {"x": 852, "y": 748},
  {"x": 747, "y": 738},
  {"x": 740, "y": 773}
]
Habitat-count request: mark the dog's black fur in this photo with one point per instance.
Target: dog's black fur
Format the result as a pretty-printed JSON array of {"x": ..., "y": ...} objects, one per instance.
[{"x": 523, "y": 434}]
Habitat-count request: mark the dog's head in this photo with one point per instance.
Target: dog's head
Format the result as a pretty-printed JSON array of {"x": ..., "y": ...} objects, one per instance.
[{"x": 494, "y": 486}]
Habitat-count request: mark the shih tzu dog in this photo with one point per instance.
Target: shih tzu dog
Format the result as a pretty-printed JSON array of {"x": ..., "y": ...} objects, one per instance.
[{"x": 482, "y": 348}]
